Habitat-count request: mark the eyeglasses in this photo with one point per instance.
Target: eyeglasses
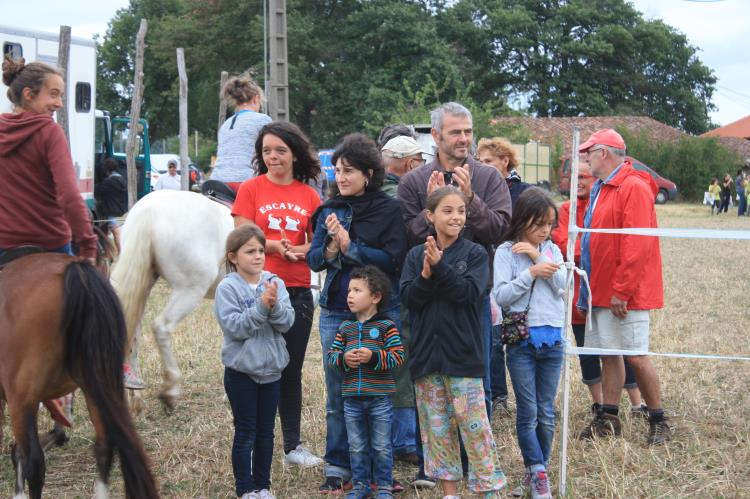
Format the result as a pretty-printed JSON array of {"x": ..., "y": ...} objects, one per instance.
[{"x": 594, "y": 149}]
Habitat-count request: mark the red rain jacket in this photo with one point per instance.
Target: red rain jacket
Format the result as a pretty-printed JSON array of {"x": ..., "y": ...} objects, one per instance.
[{"x": 626, "y": 266}]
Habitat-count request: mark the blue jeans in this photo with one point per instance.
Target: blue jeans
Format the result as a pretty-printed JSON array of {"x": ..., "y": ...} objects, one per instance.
[
  {"x": 743, "y": 204},
  {"x": 254, "y": 412},
  {"x": 66, "y": 249},
  {"x": 404, "y": 431},
  {"x": 535, "y": 375},
  {"x": 337, "y": 444},
  {"x": 497, "y": 366},
  {"x": 368, "y": 426}
]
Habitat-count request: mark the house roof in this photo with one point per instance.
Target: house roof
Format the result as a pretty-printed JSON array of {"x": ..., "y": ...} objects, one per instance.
[
  {"x": 738, "y": 145},
  {"x": 739, "y": 128},
  {"x": 550, "y": 129}
]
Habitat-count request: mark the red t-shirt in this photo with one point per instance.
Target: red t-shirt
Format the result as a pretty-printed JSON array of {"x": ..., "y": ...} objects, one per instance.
[{"x": 274, "y": 207}]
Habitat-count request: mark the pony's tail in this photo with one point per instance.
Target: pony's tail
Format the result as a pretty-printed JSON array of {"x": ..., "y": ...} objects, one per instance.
[
  {"x": 94, "y": 329},
  {"x": 133, "y": 273}
]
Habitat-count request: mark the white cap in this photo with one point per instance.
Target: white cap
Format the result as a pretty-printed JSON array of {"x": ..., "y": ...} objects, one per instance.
[{"x": 402, "y": 147}]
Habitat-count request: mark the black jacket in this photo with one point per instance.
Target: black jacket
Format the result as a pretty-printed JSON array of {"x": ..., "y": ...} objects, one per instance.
[
  {"x": 446, "y": 334},
  {"x": 112, "y": 196}
]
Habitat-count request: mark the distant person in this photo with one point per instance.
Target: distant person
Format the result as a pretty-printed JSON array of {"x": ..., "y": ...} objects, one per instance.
[
  {"x": 237, "y": 135},
  {"x": 171, "y": 180},
  {"x": 591, "y": 372},
  {"x": 392, "y": 131},
  {"x": 112, "y": 197},
  {"x": 499, "y": 152},
  {"x": 401, "y": 155},
  {"x": 739, "y": 184},
  {"x": 715, "y": 190},
  {"x": 625, "y": 273},
  {"x": 726, "y": 193},
  {"x": 366, "y": 362},
  {"x": 253, "y": 310}
]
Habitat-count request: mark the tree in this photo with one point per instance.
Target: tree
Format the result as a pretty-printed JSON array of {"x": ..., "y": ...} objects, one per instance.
[
  {"x": 357, "y": 64},
  {"x": 583, "y": 57}
]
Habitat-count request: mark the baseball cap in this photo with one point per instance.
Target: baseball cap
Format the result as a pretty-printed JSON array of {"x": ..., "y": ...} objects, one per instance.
[
  {"x": 172, "y": 162},
  {"x": 402, "y": 146},
  {"x": 605, "y": 137}
]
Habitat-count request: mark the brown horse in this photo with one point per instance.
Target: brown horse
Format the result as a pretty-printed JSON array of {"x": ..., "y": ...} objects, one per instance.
[{"x": 62, "y": 327}]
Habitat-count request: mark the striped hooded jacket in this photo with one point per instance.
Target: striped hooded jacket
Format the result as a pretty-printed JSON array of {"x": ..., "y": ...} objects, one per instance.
[{"x": 375, "y": 378}]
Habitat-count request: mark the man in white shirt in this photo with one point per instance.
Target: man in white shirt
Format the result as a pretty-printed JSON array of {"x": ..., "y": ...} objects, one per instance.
[{"x": 171, "y": 180}]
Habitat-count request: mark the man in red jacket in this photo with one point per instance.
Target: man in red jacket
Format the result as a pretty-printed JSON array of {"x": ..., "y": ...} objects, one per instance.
[{"x": 626, "y": 280}]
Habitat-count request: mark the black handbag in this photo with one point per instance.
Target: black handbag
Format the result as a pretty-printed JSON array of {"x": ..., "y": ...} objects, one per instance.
[{"x": 515, "y": 325}]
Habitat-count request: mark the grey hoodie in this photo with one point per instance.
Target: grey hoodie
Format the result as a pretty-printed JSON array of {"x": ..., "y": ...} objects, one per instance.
[{"x": 252, "y": 333}]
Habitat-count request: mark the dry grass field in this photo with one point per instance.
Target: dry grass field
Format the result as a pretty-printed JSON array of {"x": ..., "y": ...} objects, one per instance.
[{"x": 707, "y": 311}]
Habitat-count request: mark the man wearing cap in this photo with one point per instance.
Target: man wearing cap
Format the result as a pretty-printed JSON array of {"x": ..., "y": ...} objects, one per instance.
[
  {"x": 171, "y": 180},
  {"x": 400, "y": 155},
  {"x": 626, "y": 280}
]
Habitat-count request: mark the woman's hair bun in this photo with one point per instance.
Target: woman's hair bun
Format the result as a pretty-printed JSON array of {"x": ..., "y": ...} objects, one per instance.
[{"x": 11, "y": 68}]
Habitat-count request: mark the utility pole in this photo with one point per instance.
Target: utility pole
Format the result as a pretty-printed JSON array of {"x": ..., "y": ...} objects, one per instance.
[
  {"x": 63, "y": 56},
  {"x": 131, "y": 149},
  {"x": 278, "y": 89},
  {"x": 184, "y": 170}
]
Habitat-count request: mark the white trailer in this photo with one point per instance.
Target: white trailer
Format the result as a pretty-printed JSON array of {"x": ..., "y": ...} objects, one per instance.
[{"x": 80, "y": 95}]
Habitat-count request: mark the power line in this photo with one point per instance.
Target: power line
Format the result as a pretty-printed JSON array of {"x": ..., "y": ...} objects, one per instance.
[{"x": 733, "y": 91}]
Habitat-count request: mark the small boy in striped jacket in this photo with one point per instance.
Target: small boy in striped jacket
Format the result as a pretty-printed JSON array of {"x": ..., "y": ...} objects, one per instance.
[{"x": 367, "y": 350}]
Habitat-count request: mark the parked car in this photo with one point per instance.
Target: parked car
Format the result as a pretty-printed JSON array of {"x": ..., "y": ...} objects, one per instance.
[{"x": 667, "y": 188}]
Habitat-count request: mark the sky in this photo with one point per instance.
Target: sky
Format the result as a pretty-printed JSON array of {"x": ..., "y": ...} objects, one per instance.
[{"x": 720, "y": 29}]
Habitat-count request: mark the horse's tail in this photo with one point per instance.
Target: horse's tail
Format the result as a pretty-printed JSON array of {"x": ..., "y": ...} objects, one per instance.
[
  {"x": 94, "y": 329},
  {"x": 133, "y": 274}
]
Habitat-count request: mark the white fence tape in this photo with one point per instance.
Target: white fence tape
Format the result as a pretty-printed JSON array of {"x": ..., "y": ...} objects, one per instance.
[
  {"x": 683, "y": 233},
  {"x": 571, "y": 350}
]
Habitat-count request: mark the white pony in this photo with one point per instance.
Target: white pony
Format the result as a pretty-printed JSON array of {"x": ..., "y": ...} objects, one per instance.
[{"x": 179, "y": 236}]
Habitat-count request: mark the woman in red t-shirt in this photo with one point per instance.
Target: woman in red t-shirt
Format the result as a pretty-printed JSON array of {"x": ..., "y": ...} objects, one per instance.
[{"x": 281, "y": 203}]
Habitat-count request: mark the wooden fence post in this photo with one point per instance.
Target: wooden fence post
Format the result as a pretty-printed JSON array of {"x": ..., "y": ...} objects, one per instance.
[
  {"x": 184, "y": 169},
  {"x": 131, "y": 149},
  {"x": 63, "y": 56},
  {"x": 222, "y": 102}
]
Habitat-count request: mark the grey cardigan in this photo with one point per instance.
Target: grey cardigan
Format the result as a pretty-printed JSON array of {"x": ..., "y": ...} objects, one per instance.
[
  {"x": 253, "y": 342},
  {"x": 512, "y": 284}
]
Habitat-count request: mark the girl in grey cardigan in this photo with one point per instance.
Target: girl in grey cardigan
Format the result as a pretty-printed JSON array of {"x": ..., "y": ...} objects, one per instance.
[
  {"x": 253, "y": 309},
  {"x": 528, "y": 273}
]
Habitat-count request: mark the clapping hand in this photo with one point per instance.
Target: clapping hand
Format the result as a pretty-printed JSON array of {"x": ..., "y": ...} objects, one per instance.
[
  {"x": 288, "y": 249},
  {"x": 436, "y": 181},
  {"x": 462, "y": 177},
  {"x": 339, "y": 235},
  {"x": 432, "y": 256},
  {"x": 358, "y": 356},
  {"x": 270, "y": 295}
]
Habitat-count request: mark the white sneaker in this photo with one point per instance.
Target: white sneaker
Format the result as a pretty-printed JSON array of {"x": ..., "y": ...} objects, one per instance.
[
  {"x": 302, "y": 457},
  {"x": 250, "y": 495},
  {"x": 265, "y": 494}
]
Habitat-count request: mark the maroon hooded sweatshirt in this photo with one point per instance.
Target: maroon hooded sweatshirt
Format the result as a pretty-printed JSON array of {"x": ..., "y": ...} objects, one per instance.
[{"x": 40, "y": 202}]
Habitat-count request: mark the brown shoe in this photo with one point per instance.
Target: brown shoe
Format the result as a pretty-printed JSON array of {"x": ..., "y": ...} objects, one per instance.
[
  {"x": 603, "y": 425},
  {"x": 659, "y": 432}
]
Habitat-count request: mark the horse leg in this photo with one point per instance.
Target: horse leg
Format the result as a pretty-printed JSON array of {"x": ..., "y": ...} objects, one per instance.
[
  {"x": 28, "y": 454},
  {"x": 181, "y": 302},
  {"x": 134, "y": 396},
  {"x": 103, "y": 452}
]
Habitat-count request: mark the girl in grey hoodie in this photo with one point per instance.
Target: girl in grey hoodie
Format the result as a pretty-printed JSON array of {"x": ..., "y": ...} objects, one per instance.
[{"x": 253, "y": 309}]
